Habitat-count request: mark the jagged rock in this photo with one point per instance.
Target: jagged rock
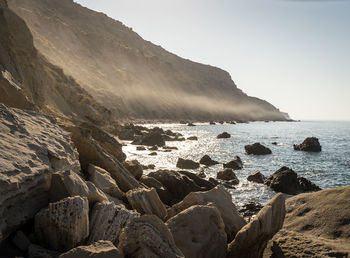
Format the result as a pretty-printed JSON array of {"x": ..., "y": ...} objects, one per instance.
[
  {"x": 36, "y": 251},
  {"x": 90, "y": 152},
  {"x": 204, "y": 184},
  {"x": 103, "y": 180},
  {"x": 134, "y": 167},
  {"x": 150, "y": 139},
  {"x": 192, "y": 138},
  {"x": 107, "y": 220},
  {"x": 176, "y": 185},
  {"x": 146, "y": 201},
  {"x": 221, "y": 199},
  {"x": 64, "y": 224},
  {"x": 68, "y": 183},
  {"x": 256, "y": 177},
  {"x": 199, "y": 232},
  {"x": 224, "y": 135},
  {"x": 164, "y": 195},
  {"x": 250, "y": 209},
  {"x": 21, "y": 241},
  {"x": 206, "y": 160},
  {"x": 287, "y": 181},
  {"x": 257, "y": 149},
  {"x": 148, "y": 236},
  {"x": 32, "y": 147},
  {"x": 310, "y": 144},
  {"x": 228, "y": 175},
  {"x": 235, "y": 164},
  {"x": 252, "y": 239},
  {"x": 99, "y": 249},
  {"x": 187, "y": 164}
]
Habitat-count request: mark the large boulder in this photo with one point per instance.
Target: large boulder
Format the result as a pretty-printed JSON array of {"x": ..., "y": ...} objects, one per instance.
[
  {"x": 176, "y": 185},
  {"x": 148, "y": 236},
  {"x": 223, "y": 135},
  {"x": 187, "y": 164},
  {"x": 310, "y": 144},
  {"x": 32, "y": 148},
  {"x": 252, "y": 239},
  {"x": 287, "y": 181},
  {"x": 150, "y": 139},
  {"x": 203, "y": 183},
  {"x": 107, "y": 220},
  {"x": 103, "y": 180},
  {"x": 256, "y": 177},
  {"x": 221, "y": 199},
  {"x": 199, "y": 232},
  {"x": 257, "y": 149},
  {"x": 99, "y": 249},
  {"x": 228, "y": 175},
  {"x": 146, "y": 201},
  {"x": 134, "y": 167},
  {"x": 64, "y": 224},
  {"x": 68, "y": 183},
  {"x": 206, "y": 160},
  {"x": 234, "y": 164}
]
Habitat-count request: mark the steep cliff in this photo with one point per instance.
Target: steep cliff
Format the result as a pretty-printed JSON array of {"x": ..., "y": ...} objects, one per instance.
[{"x": 133, "y": 77}]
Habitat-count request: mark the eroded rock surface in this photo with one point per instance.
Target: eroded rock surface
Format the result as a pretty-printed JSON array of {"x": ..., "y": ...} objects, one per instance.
[{"x": 99, "y": 249}]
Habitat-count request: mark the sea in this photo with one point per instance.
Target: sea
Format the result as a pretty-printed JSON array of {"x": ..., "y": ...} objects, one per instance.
[{"x": 328, "y": 169}]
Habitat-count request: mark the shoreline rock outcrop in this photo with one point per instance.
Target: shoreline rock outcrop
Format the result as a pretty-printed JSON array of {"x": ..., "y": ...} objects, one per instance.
[
  {"x": 310, "y": 144},
  {"x": 257, "y": 149},
  {"x": 187, "y": 164},
  {"x": 207, "y": 161}
]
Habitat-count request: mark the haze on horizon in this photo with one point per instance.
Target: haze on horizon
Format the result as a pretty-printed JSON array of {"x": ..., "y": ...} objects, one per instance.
[{"x": 294, "y": 54}]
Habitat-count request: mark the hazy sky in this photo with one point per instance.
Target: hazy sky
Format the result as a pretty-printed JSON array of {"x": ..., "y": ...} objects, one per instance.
[{"x": 294, "y": 54}]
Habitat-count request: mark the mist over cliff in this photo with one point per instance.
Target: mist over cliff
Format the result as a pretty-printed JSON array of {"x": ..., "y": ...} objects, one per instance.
[{"x": 131, "y": 76}]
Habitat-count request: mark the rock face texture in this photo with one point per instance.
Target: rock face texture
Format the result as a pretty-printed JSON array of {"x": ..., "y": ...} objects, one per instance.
[
  {"x": 146, "y": 201},
  {"x": 316, "y": 224},
  {"x": 107, "y": 220},
  {"x": 129, "y": 75},
  {"x": 252, "y": 239},
  {"x": 187, "y": 164},
  {"x": 134, "y": 167},
  {"x": 287, "y": 181},
  {"x": 310, "y": 144},
  {"x": 256, "y": 177},
  {"x": 99, "y": 249},
  {"x": 153, "y": 239},
  {"x": 32, "y": 147},
  {"x": 221, "y": 199},
  {"x": 228, "y": 175},
  {"x": 199, "y": 232},
  {"x": 257, "y": 149},
  {"x": 64, "y": 224}
]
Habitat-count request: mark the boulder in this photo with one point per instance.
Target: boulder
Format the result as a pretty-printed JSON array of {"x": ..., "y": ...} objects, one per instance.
[
  {"x": 212, "y": 123},
  {"x": 250, "y": 209},
  {"x": 234, "y": 164},
  {"x": 252, "y": 239},
  {"x": 256, "y": 177},
  {"x": 146, "y": 201},
  {"x": 310, "y": 144},
  {"x": 223, "y": 135},
  {"x": 199, "y": 232},
  {"x": 287, "y": 181},
  {"x": 36, "y": 251},
  {"x": 163, "y": 194},
  {"x": 228, "y": 175},
  {"x": 257, "y": 149},
  {"x": 148, "y": 236},
  {"x": 153, "y": 153},
  {"x": 69, "y": 184},
  {"x": 204, "y": 184},
  {"x": 170, "y": 148},
  {"x": 206, "y": 160},
  {"x": 192, "y": 138},
  {"x": 150, "y": 139},
  {"x": 187, "y": 164},
  {"x": 107, "y": 220},
  {"x": 140, "y": 148},
  {"x": 103, "y": 180},
  {"x": 221, "y": 199},
  {"x": 176, "y": 185},
  {"x": 191, "y": 124},
  {"x": 64, "y": 224},
  {"x": 134, "y": 167},
  {"x": 99, "y": 249},
  {"x": 153, "y": 148},
  {"x": 32, "y": 148}
]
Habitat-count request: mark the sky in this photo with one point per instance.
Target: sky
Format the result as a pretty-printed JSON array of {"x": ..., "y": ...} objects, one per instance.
[{"x": 293, "y": 53}]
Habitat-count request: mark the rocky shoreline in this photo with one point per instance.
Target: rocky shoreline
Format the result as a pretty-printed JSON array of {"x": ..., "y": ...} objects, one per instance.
[{"x": 67, "y": 191}]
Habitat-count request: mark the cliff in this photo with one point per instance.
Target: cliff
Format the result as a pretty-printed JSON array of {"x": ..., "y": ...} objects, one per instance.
[{"x": 131, "y": 76}]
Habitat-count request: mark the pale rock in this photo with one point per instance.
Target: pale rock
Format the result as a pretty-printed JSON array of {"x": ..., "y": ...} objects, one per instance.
[{"x": 64, "y": 224}]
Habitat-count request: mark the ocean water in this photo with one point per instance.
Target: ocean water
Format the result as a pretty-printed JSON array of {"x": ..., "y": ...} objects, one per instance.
[{"x": 329, "y": 168}]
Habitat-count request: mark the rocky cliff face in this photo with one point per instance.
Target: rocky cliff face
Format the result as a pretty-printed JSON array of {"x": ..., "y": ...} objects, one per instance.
[{"x": 131, "y": 76}]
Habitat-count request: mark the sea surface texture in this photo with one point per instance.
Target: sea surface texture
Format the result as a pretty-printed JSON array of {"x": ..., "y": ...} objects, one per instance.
[{"x": 329, "y": 168}]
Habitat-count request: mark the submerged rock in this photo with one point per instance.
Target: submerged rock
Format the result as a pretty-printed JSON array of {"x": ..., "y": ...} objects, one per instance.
[
  {"x": 206, "y": 160},
  {"x": 187, "y": 164},
  {"x": 310, "y": 144},
  {"x": 256, "y": 177},
  {"x": 192, "y": 138},
  {"x": 257, "y": 149},
  {"x": 224, "y": 135},
  {"x": 199, "y": 232}
]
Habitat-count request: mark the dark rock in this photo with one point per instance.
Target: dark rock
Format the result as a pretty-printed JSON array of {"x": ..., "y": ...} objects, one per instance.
[
  {"x": 232, "y": 122},
  {"x": 153, "y": 148},
  {"x": 234, "y": 164},
  {"x": 193, "y": 138},
  {"x": 310, "y": 144},
  {"x": 221, "y": 122},
  {"x": 205, "y": 184},
  {"x": 306, "y": 185},
  {"x": 274, "y": 143},
  {"x": 206, "y": 160},
  {"x": 183, "y": 122},
  {"x": 212, "y": 123},
  {"x": 257, "y": 149},
  {"x": 153, "y": 153},
  {"x": 187, "y": 164},
  {"x": 250, "y": 209},
  {"x": 150, "y": 139},
  {"x": 140, "y": 148},
  {"x": 256, "y": 177},
  {"x": 134, "y": 167},
  {"x": 191, "y": 124},
  {"x": 170, "y": 148},
  {"x": 223, "y": 135},
  {"x": 228, "y": 175}
]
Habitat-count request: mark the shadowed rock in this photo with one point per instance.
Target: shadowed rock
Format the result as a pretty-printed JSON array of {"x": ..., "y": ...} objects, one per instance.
[
  {"x": 256, "y": 177},
  {"x": 234, "y": 164},
  {"x": 257, "y": 149},
  {"x": 150, "y": 139},
  {"x": 228, "y": 175},
  {"x": 223, "y": 135},
  {"x": 187, "y": 164},
  {"x": 310, "y": 144},
  {"x": 134, "y": 167},
  {"x": 206, "y": 160}
]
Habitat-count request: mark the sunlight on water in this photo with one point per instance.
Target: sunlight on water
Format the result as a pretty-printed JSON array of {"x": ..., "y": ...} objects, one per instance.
[{"x": 330, "y": 168}]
